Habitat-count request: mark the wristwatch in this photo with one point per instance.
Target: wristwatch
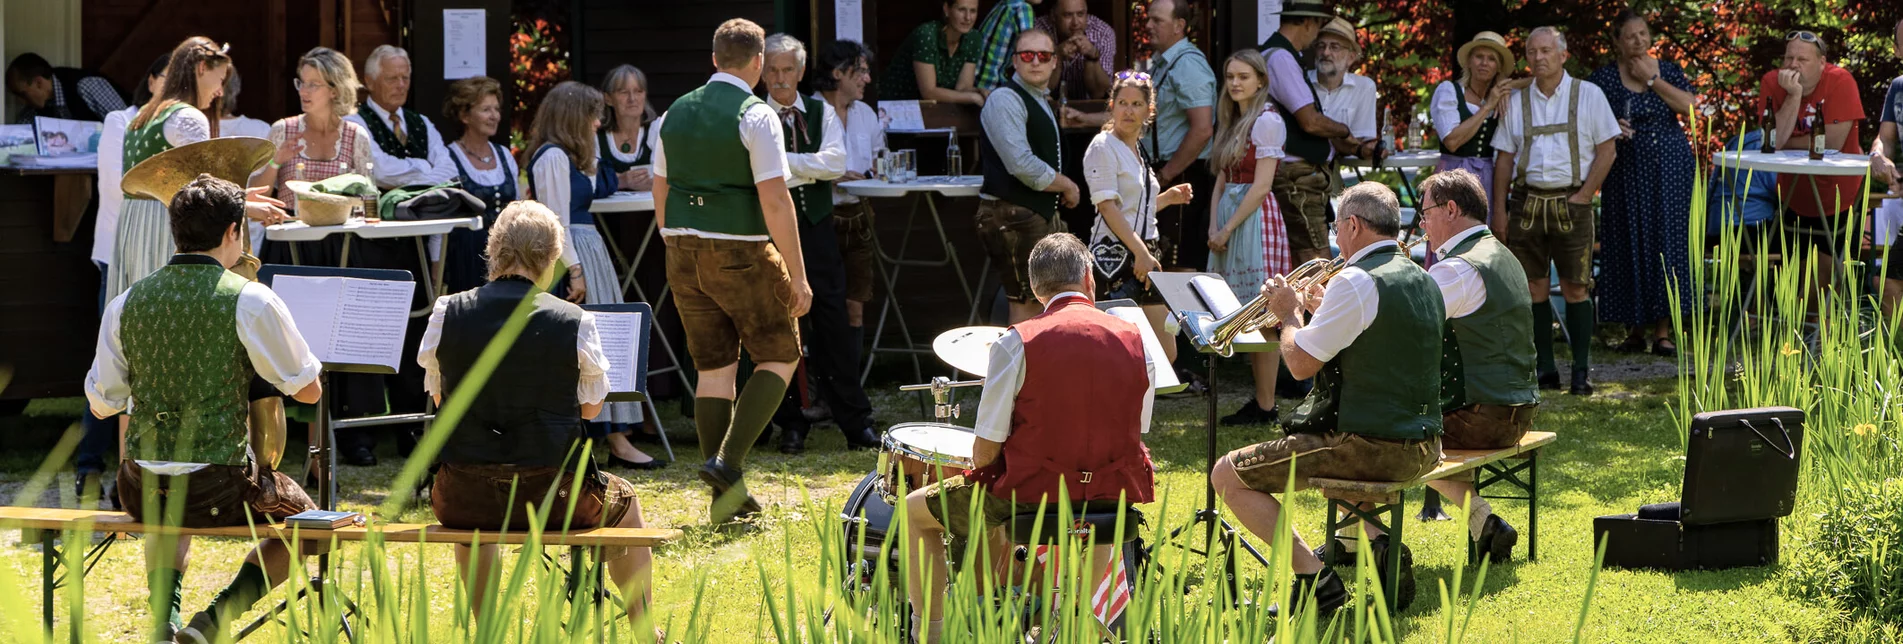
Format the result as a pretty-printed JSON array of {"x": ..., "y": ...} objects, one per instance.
[{"x": 1650, "y": 81}]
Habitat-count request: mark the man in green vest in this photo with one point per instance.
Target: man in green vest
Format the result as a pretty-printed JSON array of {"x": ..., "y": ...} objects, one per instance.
[
  {"x": 815, "y": 158},
  {"x": 733, "y": 255},
  {"x": 1372, "y": 343},
  {"x": 180, "y": 349},
  {"x": 1024, "y": 180},
  {"x": 1488, "y": 389}
]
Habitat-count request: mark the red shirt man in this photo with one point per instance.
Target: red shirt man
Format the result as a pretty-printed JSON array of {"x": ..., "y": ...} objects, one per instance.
[{"x": 1806, "y": 71}]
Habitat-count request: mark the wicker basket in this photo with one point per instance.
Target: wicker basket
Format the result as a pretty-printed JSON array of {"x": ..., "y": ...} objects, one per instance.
[{"x": 320, "y": 209}]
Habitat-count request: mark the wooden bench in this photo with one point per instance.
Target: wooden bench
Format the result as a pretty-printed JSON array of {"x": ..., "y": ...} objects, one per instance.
[
  {"x": 51, "y": 522},
  {"x": 1486, "y": 467}
]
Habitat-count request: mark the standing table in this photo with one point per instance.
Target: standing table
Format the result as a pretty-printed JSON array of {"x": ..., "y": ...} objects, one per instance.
[
  {"x": 625, "y": 202},
  {"x": 1402, "y": 162},
  {"x": 298, "y": 231},
  {"x": 1796, "y": 162},
  {"x": 922, "y": 191}
]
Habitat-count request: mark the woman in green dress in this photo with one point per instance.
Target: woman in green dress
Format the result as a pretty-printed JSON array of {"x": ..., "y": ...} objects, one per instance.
[{"x": 936, "y": 63}]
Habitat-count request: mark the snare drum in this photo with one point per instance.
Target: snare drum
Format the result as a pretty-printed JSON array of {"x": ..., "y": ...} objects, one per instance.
[{"x": 914, "y": 455}]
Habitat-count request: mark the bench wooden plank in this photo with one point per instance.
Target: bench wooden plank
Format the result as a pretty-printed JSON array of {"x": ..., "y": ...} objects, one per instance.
[
  {"x": 1453, "y": 462},
  {"x": 109, "y": 521}
]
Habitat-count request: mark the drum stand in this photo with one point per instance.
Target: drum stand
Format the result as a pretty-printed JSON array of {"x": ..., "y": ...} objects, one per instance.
[{"x": 940, "y": 386}]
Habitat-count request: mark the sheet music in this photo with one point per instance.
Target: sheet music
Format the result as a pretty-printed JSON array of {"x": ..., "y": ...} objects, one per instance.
[
  {"x": 1222, "y": 302},
  {"x": 1165, "y": 374},
  {"x": 623, "y": 348},
  {"x": 348, "y": 320}
]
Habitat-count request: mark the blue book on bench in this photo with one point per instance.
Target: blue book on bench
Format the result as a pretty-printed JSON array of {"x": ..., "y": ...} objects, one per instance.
[{"x": 321, "y": 519}]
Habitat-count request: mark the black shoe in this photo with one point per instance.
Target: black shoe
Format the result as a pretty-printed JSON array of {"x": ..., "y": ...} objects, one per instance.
[
  {"x": 1330, "y": 594},
  {"x": 1549, "y": 381},
  {"x": 1251, "y": 414},
  {"x": 792, "y": 442},
  {"x": 1582, "y": 382},
  {"x": 1663, "y": 350},
  {"x": 360, "y": 456},
  {"x": 722, "y": 480},
  {"x": 650, "y": 464},
  {"x": 1495, "y": 543},
  {"x": 862, "y": 439},
  {"x": 1379, "y": 555}
]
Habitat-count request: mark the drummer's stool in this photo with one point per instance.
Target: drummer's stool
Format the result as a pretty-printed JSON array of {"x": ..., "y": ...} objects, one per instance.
[{"x": 1101, "y": 528}]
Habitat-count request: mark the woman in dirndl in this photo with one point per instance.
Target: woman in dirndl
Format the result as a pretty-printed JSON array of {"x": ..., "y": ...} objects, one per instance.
[
  {"x": 566, "y": 174},
  {"x": 485, "y": 170},
  {"x": 316, "y": 145},
  {"x": 1466, "y": 112},
  {"x": 1248, "y": 240},
  {"x": 626, "y": 141}
]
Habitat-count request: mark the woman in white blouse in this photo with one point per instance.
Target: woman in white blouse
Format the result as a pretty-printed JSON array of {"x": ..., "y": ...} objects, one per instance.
[
  {"x": 1248, "y": 239},
  {"x": 1126, "y": 193},
  {"x": 1466, "y": 112}
]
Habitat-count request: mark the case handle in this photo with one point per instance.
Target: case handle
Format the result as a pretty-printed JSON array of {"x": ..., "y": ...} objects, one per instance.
[{"x": 1790, "y": 446}]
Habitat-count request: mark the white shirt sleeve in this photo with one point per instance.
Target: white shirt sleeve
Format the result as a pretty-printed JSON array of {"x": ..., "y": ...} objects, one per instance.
[
  {"x": 593, "y": 386},
  {"x": 108, "y": 389},
  {"x": 1444, "y": 109},
  {"x": 829, "y": 162},
  {"x": 1348, "y": 307},
  {"x": 1100, "y": 170},
  {"x": 660, "y": 156},
  {"x": 426, "y": 350},
  {"x": 187, "y": 126},
  {"x": 1507, "y": 137},
  {"x": 766, "y": 144},
  {"x": 112, "y": 146},
  {"x": 551, "y": 188},
  {"x": 1150, "y": 361},
  {"x": 364, "y": 150},
  {"x": 1460, "y": 286},
  {"x": 277, "y": 351},
  {"x": 1269, "y": 135},
  {"x": 1000, "y": 396}
]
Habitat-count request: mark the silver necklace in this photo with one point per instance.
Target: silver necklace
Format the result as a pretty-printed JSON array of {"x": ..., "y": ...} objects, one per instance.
[{"x": 485, "y": 159}]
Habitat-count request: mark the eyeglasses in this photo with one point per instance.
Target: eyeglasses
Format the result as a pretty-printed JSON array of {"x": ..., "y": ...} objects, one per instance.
[
  {"x": 1430, "y": 209},
  {"x": 1132, "y": 75},
  {"x": 1036, "y": 57},
  {"x": 1805, "y": 36},
  {"x": 299, "y": 84}
]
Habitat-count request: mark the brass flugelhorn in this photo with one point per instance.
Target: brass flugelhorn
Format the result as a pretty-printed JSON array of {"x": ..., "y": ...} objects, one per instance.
[
  {"x": 1255, "y": 315},
  {"x": 233, "y": 159}
]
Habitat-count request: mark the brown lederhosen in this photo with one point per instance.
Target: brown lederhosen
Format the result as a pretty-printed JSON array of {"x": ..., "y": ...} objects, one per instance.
[
  {"x": 1481, "y": 426},
  {"x": 1543, "y": 226},
  {"x": 215, "y": 496}
]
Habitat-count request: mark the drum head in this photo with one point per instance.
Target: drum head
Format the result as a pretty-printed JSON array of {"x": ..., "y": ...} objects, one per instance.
[
  {"x": 967, "y": 349},
  {"x": 934, "y": 443}
]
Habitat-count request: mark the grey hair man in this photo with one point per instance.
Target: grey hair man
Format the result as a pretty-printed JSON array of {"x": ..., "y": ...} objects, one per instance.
[
  {"x": 1371, "y": 341},
  {"x": 409, "y": 149},
  {"x": 1555, "y": 145},
  {"x": 1066, "y": 402}
]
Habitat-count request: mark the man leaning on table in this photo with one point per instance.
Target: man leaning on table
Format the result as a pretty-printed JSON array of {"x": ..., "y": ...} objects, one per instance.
[
  {"x": 1813, "y": 205},
  {"x": 1554, "y": 147}
]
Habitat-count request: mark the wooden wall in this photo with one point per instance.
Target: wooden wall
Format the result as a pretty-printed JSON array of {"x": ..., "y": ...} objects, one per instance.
[
  {"x": 49, "y": 319},
  {"x": 670, "y": 40}
]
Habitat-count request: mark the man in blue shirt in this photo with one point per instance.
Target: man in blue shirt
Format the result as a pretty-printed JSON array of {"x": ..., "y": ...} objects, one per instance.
[{"x": 1178, "y": 144}]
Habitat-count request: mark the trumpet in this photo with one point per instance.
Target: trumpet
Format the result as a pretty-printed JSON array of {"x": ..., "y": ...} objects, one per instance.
[{"x": 1255, "y": 315}]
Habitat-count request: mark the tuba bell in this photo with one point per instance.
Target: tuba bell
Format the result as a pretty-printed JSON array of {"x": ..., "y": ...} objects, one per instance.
[
  {"x": 232, "y": 159},
  {"x": 1256, "y": 315}
]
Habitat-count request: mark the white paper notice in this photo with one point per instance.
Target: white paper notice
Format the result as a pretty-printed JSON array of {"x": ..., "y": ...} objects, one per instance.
[
  {"x": 902, "y": 115},
  {"x": 1268, "y": 19},
  {"x": 623, "y": 348},
  {"x": 349, "y": 320},
  {"x": 1165, "y": 376},
  {"x": 849, "y": 20},
  {"x": 464, "y": 52}
]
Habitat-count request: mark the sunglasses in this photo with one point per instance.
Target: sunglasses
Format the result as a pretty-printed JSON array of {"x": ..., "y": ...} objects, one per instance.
[
  {"x": 1132, "y": 75},
  {"x": 1036, "y": 57},
  {"x": 1801, "y": 35}
]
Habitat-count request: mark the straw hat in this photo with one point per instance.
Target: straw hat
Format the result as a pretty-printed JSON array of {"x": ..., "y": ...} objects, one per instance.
[
  {"x": 1492, "y": 41},
  {"x": 321, "y": 209},
  {"x": 1341, "y": 28}
]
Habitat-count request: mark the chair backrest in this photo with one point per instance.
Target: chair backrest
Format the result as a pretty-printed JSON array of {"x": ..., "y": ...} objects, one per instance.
[{"x": 1741, "y": 465}]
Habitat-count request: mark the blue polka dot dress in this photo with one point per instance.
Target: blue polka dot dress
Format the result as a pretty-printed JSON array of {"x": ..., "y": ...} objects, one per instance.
[{"x": 1645, "y": 205}]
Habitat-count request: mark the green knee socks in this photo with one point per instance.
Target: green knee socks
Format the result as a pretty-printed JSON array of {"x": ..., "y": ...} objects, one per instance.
[
  {"x": 712, "y": 418},
  {"x": 1581, "y": 323},
  {"x": 751, "y": 413}
]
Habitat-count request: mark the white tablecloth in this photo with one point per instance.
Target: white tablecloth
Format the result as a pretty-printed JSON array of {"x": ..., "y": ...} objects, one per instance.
[
  {"x": 1795, "y": 162},
  {"x": 1408, "y": 159},
  {"x": 624, "y": 202},
  {"x": 298, "y": 231},
  {"x": 965, "y": 186}
]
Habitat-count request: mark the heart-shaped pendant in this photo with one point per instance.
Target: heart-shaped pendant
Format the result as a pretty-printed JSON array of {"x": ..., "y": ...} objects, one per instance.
[{"x": 1110, "y": 258}]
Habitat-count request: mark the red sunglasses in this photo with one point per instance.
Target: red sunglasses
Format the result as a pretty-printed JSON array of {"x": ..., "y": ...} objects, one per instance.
[{"x": 1036, "y": 57}]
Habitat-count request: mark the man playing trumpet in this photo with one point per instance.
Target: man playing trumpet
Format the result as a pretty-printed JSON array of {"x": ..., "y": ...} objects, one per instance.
[{"x": 1370, "y": 340}]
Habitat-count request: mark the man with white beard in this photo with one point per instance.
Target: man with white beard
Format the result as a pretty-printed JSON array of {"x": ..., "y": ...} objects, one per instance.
[{"x": 1346, "y": 97}]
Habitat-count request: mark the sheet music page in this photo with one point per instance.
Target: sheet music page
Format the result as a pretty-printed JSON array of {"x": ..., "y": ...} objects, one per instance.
[
  {"x": 313, "y": 305},
  {"x": 1216, "y": 295},
  {"x": 1165, "y": 374},
  {"x": 371, "y": 318},
  {"x": 618, "y": 341}
]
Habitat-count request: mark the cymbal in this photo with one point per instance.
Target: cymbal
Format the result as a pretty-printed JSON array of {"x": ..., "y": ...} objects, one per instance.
[{"x": 967, "y": 349}]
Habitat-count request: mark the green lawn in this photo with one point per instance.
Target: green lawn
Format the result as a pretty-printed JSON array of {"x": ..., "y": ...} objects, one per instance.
[{"x": 1615, "y": 451}]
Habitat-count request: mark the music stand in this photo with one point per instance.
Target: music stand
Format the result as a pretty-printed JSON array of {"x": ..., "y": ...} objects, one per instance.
[
  {"x": 639, "y": 394},
  {"x": 1195, "y": 316},
  {"x": 323, "y": 451},
  {"x": 1165, "y": 375}
]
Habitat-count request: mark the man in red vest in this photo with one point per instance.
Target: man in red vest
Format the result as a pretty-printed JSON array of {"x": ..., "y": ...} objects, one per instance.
[{"x": 1067, "y": 399}]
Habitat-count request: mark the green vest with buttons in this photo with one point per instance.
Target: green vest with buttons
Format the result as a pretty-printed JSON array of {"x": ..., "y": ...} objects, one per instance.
[
  {"x": 814, "y": 200},
  {"x": 1385, "y": 384},
  {"x": 146, "y": 141},
  {"x": 189, "y": 371},
  {"x": 709, "y": 171},
  {"x": 1487, "y": 356}
]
